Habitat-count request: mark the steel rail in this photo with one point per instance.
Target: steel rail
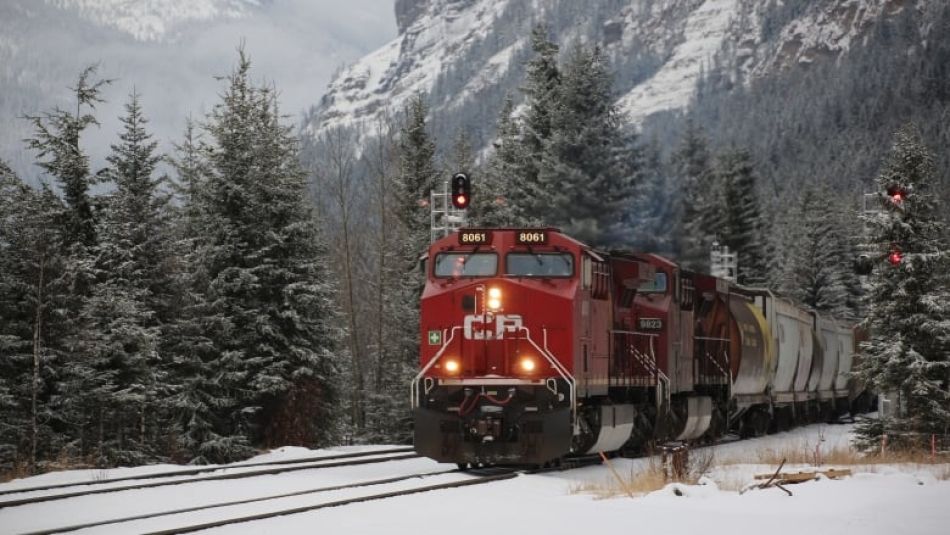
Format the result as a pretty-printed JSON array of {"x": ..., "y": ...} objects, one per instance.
[
  {"x": 307, "y": 508},
  {"x": 145, "y": 516},
  {"x": 204, "y": 469},
  {"x": 217, "y": 477}
]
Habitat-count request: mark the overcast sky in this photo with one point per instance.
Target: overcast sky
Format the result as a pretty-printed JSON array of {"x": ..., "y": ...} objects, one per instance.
[{"x": 295, "y": 44}]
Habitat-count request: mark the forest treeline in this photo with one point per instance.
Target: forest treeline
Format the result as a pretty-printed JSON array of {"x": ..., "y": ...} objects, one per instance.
[{"x": 265, "y": 293}]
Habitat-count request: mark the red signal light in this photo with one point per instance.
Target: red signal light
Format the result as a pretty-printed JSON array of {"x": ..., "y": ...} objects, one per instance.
[
  {"x": 896, "y": 193},
  {"x": 461, "y": 191},
  {"x": 895, "y": 257}
]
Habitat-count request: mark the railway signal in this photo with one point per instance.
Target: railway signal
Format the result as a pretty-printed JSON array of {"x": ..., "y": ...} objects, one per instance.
[
  {"x": 461, "y": 191},
  {"x": 895, "y": 256},
  {"x": 897, "y": 194}
]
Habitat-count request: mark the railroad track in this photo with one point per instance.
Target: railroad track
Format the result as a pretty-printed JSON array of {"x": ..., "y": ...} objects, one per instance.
[
  {"x": 479, "y": 480},
  {"x": 206, "y": 469},
  {"x": 281, "y": 467},
  {"x": 481, "y": 476},
  {"x": 477, "y": 476},
  {"x": 226, "y": 521}
]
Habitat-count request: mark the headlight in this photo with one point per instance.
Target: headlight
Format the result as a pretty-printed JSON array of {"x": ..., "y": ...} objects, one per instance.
[
  {"x": 494, "y": 298},
  {"x": 452, "y": 366},
  {"x": 527, "y": 364}
]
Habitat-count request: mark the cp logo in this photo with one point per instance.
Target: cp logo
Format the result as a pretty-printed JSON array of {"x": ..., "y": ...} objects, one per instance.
[{"x": 476, "y": 328}]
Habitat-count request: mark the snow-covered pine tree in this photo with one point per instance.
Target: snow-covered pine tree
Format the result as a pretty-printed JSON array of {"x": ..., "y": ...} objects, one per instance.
[
  {"x": 124, "y": 318},
  {"x": 32, "y": 293},
  {"x": 492, "y": 204},
  {"x": 908, "y": 353},
  {"x": 542, "y": 83},
  {"x": 813, "y": 275},
  {"x": 268, "y": 373},
  {"x": 698, "y": 199},
  {"x": 742, "y": 223},
  {"x": 416, "y": 179},
  {"x": 299, "y": 388},
  {"x": 589, "y": 166},
  {"x": 198, "y": 392},
  {"x": 651, "y": 215},
  {"x": 56, "y": 140},
  {"x": 462, "y": 157}
]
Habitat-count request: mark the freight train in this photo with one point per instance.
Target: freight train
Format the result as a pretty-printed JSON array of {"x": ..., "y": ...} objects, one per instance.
[{"x": 535, "y": 347}]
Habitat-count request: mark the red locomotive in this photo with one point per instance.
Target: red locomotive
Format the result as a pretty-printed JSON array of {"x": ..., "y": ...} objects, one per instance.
[{"x": 536, "y": 346}]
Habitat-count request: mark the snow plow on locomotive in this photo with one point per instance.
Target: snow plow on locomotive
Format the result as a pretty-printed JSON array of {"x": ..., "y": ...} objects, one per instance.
[{"x": 535, "y": 346}]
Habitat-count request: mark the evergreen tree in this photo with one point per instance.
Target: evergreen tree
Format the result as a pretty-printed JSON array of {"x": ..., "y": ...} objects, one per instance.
[
  {"x": 542, "y": 84},
  {"x": 416, "y": 180},
  {"x": 697, "y": 204},
  {"x": 56, "y": 141},
  {"x": 123, "y": 320},
  {"x": 813, "y": 275},
  {"x": 268, "y": 309},
  {"x": 742, "y": 229},
  {"x": 462, "y": 157},
  {"x": 32, "y": 294},
  {"x": 492, "y": 204},
  {"x": 413, "y": 183},
  {"x": 908, "y": 354},
  {"x": 589, "y": 165},
  {"x": 653, "y": 209}
]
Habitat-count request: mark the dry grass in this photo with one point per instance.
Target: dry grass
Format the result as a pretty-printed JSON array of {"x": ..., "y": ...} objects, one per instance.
[
  {"x": 63, "y": 461},
  {"x": 842, "y": 455},
  {"x": 653, "y": 477},
  {"x": 635, "y": 483},
  {"x": 17, "y": 471}
]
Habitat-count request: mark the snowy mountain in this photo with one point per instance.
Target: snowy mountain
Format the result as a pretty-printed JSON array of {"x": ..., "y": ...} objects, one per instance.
[
  {"x": 152, "y": 20},
  {"x": 468, "y": 53},
  {"x": 170, "y": 51}
]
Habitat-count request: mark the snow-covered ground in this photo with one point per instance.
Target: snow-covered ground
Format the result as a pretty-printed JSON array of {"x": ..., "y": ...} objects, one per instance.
[{"x": 885, "y": 499}]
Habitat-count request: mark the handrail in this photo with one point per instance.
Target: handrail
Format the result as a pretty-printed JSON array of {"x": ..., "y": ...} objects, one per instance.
[
  {"x": 561, "y": 370},
  {"x": 413, "y": 387},
  {"x": 649, "y": 361}
]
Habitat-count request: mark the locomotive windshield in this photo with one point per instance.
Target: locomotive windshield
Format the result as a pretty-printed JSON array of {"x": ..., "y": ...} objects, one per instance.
[
  {"x": 456, "y": 265},
  {"x": 539, "y": 264}
]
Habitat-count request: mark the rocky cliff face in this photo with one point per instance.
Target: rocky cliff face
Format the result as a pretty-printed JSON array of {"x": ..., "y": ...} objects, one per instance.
[{"x": 460, "y": 51}]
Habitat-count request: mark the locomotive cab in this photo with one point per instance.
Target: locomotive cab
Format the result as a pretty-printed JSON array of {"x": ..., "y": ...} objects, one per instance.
[{"x": 497, "y": 325}]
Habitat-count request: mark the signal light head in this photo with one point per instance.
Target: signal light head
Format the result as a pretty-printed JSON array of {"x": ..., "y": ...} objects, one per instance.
[
  {"x": 461, "y": 191},
  {"x": 895, "y": 257},
  {"x": 896, "y": 193}
]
